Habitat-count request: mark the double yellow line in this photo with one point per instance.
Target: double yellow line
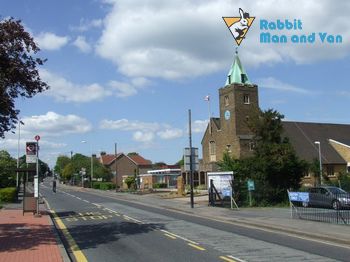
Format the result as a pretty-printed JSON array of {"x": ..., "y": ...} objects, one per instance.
[{"x": 73, "y": 246}]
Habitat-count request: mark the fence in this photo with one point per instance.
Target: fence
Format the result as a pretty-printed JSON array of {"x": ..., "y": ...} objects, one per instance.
[{"x": 322, "y": 207}]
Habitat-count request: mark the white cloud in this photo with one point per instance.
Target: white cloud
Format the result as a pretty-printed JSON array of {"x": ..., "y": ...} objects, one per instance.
[
  {"x": 188, "y": 38},
  {"x": 81, "y": 43},
  {"x": 86, "y": 25},
  {"x": 276, "y": 84},
  {"x": 65, "y": 91},
  {"x": 144, "y": 137},
  {"x": 126, "y": 125},
  {"x": 170, "y": 133},
  {"x": 130, "y": 88},
  {"x": 50, "y": 41},
  {"x": 52, "y": 124},
  {"x": 199, "y": 126},
  {"x": 11, "y": 144},
  {"x": 143, "y": 131}
]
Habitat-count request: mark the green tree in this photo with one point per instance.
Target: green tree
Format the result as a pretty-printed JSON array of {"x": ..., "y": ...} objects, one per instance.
[
  {"x": 61, "y": 162},
  {"x": 19, "y": 75},
  {"x": 101, "y": 172},
  {"x": 229, "y": 163},
  {"x": 7, "y": 170},
  {"x": 79, "y": 161},
  {"x": 275, "y": 166},
  {"x": 129, "y": 181},
  {"x": 68, "y": 172}
]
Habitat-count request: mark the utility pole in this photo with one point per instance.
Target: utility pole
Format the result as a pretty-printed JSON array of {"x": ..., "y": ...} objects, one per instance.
[
  {"x": 191, "y": 157},
  {"x": 116, "y": 177}
]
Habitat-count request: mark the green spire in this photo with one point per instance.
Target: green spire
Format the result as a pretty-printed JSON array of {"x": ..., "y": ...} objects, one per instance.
[{"x": 237, "y": 73}]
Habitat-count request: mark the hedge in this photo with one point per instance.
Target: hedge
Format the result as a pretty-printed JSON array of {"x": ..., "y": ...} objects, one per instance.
[
  {"x": 160, "y": 185},
  {"x": 8, "y": 194},
  {"x": 103, "y": 185}
]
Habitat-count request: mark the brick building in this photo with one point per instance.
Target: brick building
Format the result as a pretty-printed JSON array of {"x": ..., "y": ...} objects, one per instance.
[
  {"x": 126, "y": 165},
  {"x": 238, "y": 100}
]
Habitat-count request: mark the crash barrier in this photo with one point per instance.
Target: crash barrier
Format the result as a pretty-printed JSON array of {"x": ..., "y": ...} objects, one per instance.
[{"x": 329, "y": 208}]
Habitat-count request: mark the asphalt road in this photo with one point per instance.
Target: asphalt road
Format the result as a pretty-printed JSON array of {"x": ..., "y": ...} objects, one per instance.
[{"x": 109, "y": 229}]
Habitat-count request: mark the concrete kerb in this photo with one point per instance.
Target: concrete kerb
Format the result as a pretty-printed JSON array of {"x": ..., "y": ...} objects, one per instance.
[
  {"x": 259, "y": 225},
  {"x": 64, "y": 253}
]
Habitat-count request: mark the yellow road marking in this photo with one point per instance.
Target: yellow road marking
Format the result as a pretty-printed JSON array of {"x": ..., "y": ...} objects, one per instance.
[
  {"x": 82, "y": 216},
  {"x": 170, "y": 236},
  {"x": 177, "y": 236},
  {"x": 196, "y": 247},
  {"x": 78, "y": 254},
  {"x": 227, "y": 259}
]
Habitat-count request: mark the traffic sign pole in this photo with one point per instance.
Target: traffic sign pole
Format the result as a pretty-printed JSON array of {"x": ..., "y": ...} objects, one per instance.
[{"x": 37, "y": 138}]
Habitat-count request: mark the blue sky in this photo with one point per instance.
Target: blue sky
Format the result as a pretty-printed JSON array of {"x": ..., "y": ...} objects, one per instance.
[{"x": 127, "y": 71}]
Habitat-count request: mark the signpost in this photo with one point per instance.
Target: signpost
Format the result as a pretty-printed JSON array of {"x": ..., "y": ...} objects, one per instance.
[
  {"x": 251, "y": 187},
  {"x": 31, "y": 152},
  {"x": 36, "y": 178}
]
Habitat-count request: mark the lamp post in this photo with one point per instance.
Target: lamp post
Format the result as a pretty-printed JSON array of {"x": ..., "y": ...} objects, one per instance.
[
  {"x": 92, "y": 165},
  {"x": 320, "y": 159}
]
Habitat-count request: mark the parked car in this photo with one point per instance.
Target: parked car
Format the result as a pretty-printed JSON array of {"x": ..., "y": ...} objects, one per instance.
[{"x": 329, "y": 197}]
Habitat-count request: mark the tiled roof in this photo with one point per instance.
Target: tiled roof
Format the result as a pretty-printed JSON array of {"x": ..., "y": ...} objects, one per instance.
[
  {"x": 139, "y": 160},
  {"x": 303, "y": 136},
  {"x": 108, "y": 159}
]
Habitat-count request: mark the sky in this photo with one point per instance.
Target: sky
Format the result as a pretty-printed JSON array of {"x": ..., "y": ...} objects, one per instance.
[{"x": 127, "y": 71}]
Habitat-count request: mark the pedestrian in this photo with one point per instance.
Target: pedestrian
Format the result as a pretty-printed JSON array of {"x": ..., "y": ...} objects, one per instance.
[{"x": 54, "y": 186}]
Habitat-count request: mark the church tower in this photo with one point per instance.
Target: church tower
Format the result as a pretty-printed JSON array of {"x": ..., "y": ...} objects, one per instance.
[{"x": 238, "y": 100}]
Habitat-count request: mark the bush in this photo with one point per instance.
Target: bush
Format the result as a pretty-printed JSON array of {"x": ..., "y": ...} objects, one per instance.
[
  {"x": 107, "y": 186},
  {"x": 103, "y": 185},
  {"x": 202, "y": 187},
  {"x": 160, "y": 185},
  {"x": 8, "y": 194}
]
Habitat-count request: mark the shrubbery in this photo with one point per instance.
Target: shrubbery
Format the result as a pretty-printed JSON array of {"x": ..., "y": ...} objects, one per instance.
[
  {"x": 160, "y": 185},
  {"x": 103, "y": 185},
  {"x": 8, "y": 194}
]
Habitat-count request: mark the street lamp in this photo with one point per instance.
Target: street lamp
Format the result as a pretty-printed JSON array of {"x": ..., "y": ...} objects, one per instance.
[
  {"x": 320, "y": 159},
  {"x": 92, "y": 165}
]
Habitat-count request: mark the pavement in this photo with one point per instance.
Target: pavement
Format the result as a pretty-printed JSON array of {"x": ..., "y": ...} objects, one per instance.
[
  {"x": 29, "y": 238},
  {"x": 26, "y": 237}
]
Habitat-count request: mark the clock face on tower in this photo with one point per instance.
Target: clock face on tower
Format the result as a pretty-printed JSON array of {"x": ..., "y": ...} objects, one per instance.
[{"x": 227, "y": 115}]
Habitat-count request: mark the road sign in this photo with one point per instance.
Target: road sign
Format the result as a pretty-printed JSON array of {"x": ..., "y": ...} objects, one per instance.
[
  {"x": 37, "y": 137},
  {"x": 251, "y": 185},
  {"x": 31, "y": 152},
  {"x": 187, "y": 159}
]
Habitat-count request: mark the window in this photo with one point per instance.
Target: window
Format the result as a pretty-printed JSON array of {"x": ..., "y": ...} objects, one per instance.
[
  {"x": 212, "y": 151},
  {"x": 251, "y": 146},
  {"x": 246, "y": 99},
  {"x": 226, "y": 101},
  {"x": 330, "y": 170},
  {"x": 228, "y": 148}
]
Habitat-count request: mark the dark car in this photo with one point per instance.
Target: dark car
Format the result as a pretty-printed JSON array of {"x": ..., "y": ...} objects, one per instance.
[{"x": 329, "y": 197}]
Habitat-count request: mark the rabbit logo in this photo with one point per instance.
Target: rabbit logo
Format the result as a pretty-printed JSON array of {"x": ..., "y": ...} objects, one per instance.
[{"x": 239, "y": 26}]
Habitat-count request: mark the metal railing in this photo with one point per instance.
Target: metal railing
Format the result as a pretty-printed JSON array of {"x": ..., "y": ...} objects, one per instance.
[{"x": 329, "y": 208}]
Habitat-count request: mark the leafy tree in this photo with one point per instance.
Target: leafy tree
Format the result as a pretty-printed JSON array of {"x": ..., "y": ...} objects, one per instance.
[
  {"x": 19, "y": 75},
  {"x": 7, "y": 170},
  {"x": 229, "y": 163},
  {"x": 79, "y": 161},
  {"x": 275, "y": 166},
  {"x": 129, "y": 181},
  {"x": 181, "y": 162},
  {"x": 67, "y": 172},
  {"x": 61, "y": 162}
]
